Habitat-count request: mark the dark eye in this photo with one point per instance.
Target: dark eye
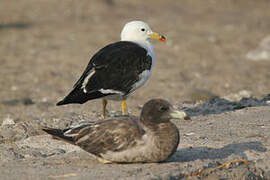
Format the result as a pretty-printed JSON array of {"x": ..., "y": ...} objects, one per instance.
[
  {"x": 142, "y": 29},
  {"x": 164, "y": 108}
]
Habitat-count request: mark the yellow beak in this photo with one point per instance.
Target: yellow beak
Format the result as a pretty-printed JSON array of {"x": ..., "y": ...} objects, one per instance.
[
  {"x": 157, "y": 36},
  {"x": 180, "y": 115}
]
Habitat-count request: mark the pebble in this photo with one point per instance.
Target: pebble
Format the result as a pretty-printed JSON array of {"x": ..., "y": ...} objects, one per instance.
[
  {"x": 12, "y": 131},
  {"x": 14, "y": 88},
  {"x": 27, "y": 101},
  {"x": 7, "y": 134},
  {"x": 8, "y": 121},
  {"x": 14, "y": 102},
  {"x": 189, "y": 134},
  {"x": 238, "y": 96},
  {"x": 262, "y": 52},
  {"x": 201, "y": 95}
]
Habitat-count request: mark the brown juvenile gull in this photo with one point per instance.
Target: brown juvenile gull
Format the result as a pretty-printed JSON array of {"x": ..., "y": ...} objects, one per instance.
[
  {"x": 118, "y": 69},
  {"x": 151, "y": 138}
]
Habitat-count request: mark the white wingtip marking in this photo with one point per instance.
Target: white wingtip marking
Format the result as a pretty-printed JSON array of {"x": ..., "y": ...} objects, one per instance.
[
  {"x": 84, "y": 138},
  {"x": 86, "y": 81},
  {"x": 110, "y": 91}
]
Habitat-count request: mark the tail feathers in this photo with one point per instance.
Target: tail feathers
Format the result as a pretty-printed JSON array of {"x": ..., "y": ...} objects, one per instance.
[
  {"x": 62, "y": 102},
  {"x": 77, "y": 96},
  {"x": 58, "y": 134}
]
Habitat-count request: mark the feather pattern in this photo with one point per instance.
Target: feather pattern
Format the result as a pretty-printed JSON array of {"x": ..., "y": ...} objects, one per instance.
[
  {"x": 115, "y": 68},
  {"x": 151, "y": 138}
]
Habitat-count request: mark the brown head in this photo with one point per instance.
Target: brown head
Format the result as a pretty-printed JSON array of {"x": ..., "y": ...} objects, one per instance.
[{"x": 158, "y": 111}]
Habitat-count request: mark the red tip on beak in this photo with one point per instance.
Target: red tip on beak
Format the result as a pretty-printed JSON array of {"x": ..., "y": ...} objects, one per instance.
[{"x": 162, "y": 39}]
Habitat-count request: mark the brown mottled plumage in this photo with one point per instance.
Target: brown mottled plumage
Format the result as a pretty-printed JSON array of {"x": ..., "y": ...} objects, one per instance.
[{"x": 152, "y": 138}]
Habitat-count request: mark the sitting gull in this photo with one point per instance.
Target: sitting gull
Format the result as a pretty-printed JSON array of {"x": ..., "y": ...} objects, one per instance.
[{"x": 150, "y": 138}]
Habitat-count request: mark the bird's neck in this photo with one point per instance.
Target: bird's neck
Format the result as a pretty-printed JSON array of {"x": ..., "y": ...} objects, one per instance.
[
  {"x": 164, "y": 138},
  {"x": 146, "y": 44}
]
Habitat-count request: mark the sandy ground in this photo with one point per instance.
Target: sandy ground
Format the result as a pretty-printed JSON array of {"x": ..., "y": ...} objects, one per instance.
[{"x": 45, "y": 46}]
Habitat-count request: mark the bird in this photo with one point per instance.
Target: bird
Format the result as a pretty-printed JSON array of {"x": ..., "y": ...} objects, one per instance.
[
  {"x": 118, "y": 69},
  {"x": 150, "y": 138}
]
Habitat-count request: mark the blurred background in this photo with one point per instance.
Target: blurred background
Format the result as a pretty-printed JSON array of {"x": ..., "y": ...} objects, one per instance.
[{"x": 214, "y": 47}]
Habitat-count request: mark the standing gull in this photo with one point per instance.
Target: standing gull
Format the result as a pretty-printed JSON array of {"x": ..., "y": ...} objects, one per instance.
[
  {"x": 151, "y": 138},
  {"x": 118, "y": 69}
]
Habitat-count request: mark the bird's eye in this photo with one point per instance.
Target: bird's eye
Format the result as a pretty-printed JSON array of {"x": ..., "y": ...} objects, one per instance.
[
  {"x": 163, "y": 108},
  {"x": 142, "y": 29}
]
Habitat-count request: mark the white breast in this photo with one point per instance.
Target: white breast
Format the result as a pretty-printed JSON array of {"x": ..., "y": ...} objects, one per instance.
[
  {"x": 149, "y": 47},
  {"x": 145, "y": 75}
]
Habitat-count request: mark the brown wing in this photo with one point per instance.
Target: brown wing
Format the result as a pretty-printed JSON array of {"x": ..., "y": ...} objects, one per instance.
[{"x": 109, "y": 135}]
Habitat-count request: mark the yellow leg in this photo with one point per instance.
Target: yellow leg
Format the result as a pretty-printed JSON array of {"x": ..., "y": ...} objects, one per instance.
[
  {"x": 124, "y": 107},
  {"x": 104, "y": 104}
]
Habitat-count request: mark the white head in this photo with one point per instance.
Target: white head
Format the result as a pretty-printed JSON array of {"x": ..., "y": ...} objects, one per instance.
[{"x": 139, "y": 31}]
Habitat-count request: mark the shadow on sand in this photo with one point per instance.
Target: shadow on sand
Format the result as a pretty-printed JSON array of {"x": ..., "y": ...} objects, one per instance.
[
  {"x": 221, "y": 105},
  {"x": 17, "y": 25},
  {"x": 204, "y": 152}
]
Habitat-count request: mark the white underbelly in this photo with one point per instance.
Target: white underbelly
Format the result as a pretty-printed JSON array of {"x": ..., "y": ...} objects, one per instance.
[
  {"x": 119, "y": 96},
  {"x": 144, "y": 76}
]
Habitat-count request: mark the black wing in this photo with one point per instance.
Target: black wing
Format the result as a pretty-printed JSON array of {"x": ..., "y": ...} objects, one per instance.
[{"x": 115, "y": 67}]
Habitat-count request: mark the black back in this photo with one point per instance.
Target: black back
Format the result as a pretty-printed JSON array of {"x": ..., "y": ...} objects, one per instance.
[{"x": 117, "y": 67}]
